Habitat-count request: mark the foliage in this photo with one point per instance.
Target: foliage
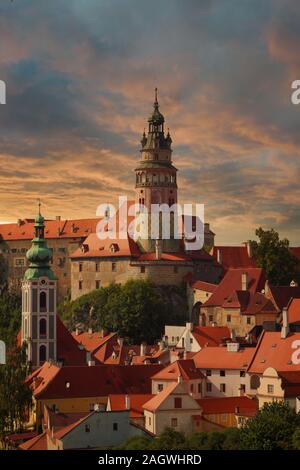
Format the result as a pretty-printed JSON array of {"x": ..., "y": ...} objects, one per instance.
[
  {"x": 137, "y": 310},
  {"x": 15, "y": 396},
  {"x": 275, "y": 257},
  {"x": 10, "y": 315},
  {"x": 271, "y": 429},
  {"x": 296, "y": 439}
]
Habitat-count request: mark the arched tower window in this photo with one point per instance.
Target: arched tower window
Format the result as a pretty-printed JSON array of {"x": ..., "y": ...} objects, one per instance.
[
  {"x": 43, "y": 327},
  {"x": 42, "y": 353},
  {"x": 43, "y": 302}
]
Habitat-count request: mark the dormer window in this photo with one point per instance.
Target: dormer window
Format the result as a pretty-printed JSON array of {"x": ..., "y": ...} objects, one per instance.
[{"x": 114, "y": 247}]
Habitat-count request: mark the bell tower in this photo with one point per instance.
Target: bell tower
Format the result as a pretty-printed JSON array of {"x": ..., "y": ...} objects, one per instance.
[
  {"x": 39, "y": 293},
  {"x": 156, "y": 181}
]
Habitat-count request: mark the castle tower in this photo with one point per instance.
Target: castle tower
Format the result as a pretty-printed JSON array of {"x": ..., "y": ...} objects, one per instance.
[
  {"x": 156, "y": 181},
  {"x": 39, "y": 293}
]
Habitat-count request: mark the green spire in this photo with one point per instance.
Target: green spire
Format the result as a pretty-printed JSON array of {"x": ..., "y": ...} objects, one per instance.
[
  {"x": 39, "y": 255},
  {"x": 156, "y": 118}
]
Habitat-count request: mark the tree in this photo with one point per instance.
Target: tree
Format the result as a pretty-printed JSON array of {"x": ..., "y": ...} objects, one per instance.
[
  {"x": 137, "y": 310},
  {"x": 10, "y": 315},
  {"x": 169, "y": 439},
  {"x": 15, "y": 396},
  {"x": 275, "y": 257},
  {"x": 296, "y": 439},
  {"x": 271, "y": 429}
]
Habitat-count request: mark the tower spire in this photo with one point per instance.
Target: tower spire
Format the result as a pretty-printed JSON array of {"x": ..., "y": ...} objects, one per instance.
[{"x": 155, "y": 101}]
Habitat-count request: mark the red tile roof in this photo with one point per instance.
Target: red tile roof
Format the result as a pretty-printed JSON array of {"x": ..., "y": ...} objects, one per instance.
[
  {"x": 233, "y": 257},
  {"x": 158, "y": 399},
  {"x": 183, "y": 367},
  {"x": 65, "y": 430},
  {"x": 92, "y": 381},
  {"x": 294, "y": 310},
  {"x": 210, "y": 335},
  {"x": 236, "y": 405},
  {"x": 93, "y": 247},
  {"x": 232, "y": 281},
  {"x": 274, "y": 351},
  {"x": 205, "y": 286},
  {"x": 249, "y": 303},
  {"x": 92, "y": 341},
  {"x": 136, "y": 402},
  {"x": 74, "y": 228},
  {"x": 36, "y": 443},
  {"x": 281, "y": 295},
  {"x": 221, "y": 358}
]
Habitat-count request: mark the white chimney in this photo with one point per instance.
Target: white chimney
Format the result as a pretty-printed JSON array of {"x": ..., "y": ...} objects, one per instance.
[
  {"x": 249, "y": 248},
  {"x": 143, "y": 349},
  {"x": 91, "y": 363},
  {"x": 233, "y": 335},
  {"x": 233, "y": 347},
  {"x": 127, "y": 402},
  {"x": 57, "y": 217},
  {"x": 219, "y": 256},
  {"x": 90, "y": 331},
  {"x": 189, "y": 326},
  {"x": 244, "y": 281},
  {"x": 179, "y": 379},
  {"x": 285, "y": 324},
  {"x": 158, "y": 249},
  {"x": 120, "y": 342}
]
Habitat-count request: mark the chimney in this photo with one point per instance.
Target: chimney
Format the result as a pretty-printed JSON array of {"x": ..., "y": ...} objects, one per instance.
[
  {"x": 233, "y": 335},
  {"x": 206, "y": 227},
  {"x": 120, "y": 342},
  {"x": 285, "y": 324},
  {"x": 143, "y": 348},
  {"x": 90, "y": 331},
  {"x": 127, "y": 402},
  {"x": 19, "y": 222},
  {"x": 244, "y": 281},
  {"x": 77, "y": 331},
  {"x": 179, "y": 379},
  {"x": 91, "y": 363},
  {"x": 189, "y": 326},
  {"x": 158, "y": 249},
  {"x": 219, "y": 256},
  {"x": 249, "y": 248},
  {"x": 58, "y": 217}
]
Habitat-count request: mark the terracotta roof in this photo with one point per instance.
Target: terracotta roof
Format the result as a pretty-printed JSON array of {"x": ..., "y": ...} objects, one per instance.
[
  {"x": 228, "y": 405},
  {"x": 281, "y": 295},
  {"x": 221, "y": 358},
  {"x": 93, "y": 247},
  {"x": 183, "y": 367},
  {"x": 274, "y": 351},
  {"x": 233, "y": 257},
  {"x": 136, "y": 402},
  {"x": 67, "y": 347},
  {"x": 36, "y": 443},
  {"x": 91, "y": 381},
  {"x": 65, "y": 430},
  {"x": 205, "y": 286},
  {"x": 232, "y": 281},
  {"x": 158, "y": 399},
  {"x": 92, "y": 341},
  {"x": 210, "y": 335},
  {"x": 60, "y": 419},
  {"x": 294, "y": 310},
  {"x": 249, "y": 303},
  {"x": 74, "y": 228}
]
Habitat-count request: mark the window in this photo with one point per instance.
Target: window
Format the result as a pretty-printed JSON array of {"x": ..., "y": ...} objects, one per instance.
[
  {"x": 80, "y": 267},
  {"x": 149, "y": 421},
  {"x": 208, "y": 373},
  {"x": 191, "y": 340},
  {"x": 199, "y": 388},
  {"x": 115, "y": 426},
  {"x": 43, "y": 327},
  {"x": 42, "y": 352},
  {"x": 177, "y": 402},
  {"x": 208, "y": 387},
  {"x": 242, "y": 388},
  {"x": 87, "y": 428},
  {"x": 222, "y": 373},
  {"x": 80, "y": 285},
  {"x": 97, "y": 267},
  {"x": 19, "y": 262},
  {"x": 228, "y": 318},
  {"x": 43, "y": 302},
  {"x": 210, "y": 318},
  {"x": 143, "y": 269},
  {"x": 222, "y": 388},
  {"x": 248, "y": 320},
  {"x": 174, "y": 422},
  {"x": 270, "y": 388},
  {"x": 160, "y": 387},
  {"x": 97, "y": 284},
  {"x": 192, "y": 388},
  {"x": 242, "y": 373},
  {"x": 113, "y": 267}
]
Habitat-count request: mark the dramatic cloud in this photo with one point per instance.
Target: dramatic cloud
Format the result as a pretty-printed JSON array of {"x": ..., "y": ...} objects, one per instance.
[{"x": 80, "y": 77}]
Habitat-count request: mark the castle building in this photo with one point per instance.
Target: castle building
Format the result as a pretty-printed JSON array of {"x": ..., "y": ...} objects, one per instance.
[{"x": 162, "y": 257}]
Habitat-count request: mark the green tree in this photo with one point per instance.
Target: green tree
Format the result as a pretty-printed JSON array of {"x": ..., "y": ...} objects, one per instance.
[
  {"x": 275, "y": 257},
  {"x": 10, "y": 315},
  {"x": 15, "y": 396},
  {"x": 137, "y": 310},
  {"x": 169, "y": 439},
  {"x": 296, "y": 439},
  {"x": 271, "y": 429}
]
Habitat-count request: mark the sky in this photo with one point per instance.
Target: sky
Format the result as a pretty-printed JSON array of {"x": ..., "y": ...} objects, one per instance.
[{"x": 80, "y": 78}]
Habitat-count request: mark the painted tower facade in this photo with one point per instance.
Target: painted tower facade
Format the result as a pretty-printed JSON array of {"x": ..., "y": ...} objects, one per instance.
[
  {"x": 156, "y": 183},
  {"x": 39, "y": 300}
]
